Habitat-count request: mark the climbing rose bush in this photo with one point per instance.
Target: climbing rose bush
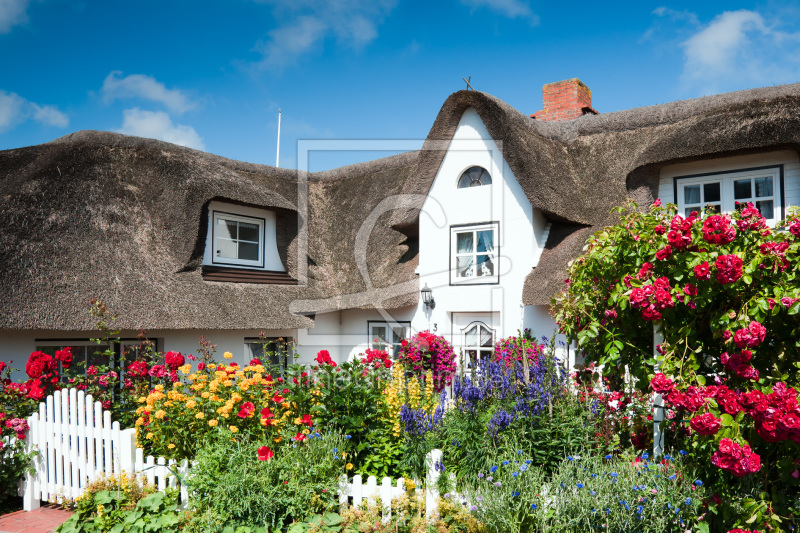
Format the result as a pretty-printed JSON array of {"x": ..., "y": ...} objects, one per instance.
[
  {"x": 723, "y": 291},
  {"x": 427, "y": 351}
]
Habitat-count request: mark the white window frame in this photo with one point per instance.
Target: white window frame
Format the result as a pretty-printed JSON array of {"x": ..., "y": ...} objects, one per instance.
[
  {"x": 223, "y": 215},
  {"x": 284, "y": 354},
  {"x": 373, "y": 342},
  {"x": 476, "y": 279},
  {"x": 476, "y": 348},
  {"x": 726, "y": 179}
]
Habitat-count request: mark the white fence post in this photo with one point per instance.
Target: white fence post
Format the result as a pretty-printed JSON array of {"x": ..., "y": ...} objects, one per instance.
[
  {"x": 30, "y": 496},
  {"x": 658, "y": 402},
  {"x": 432, "y": 460},
  {"x": 127, "y": 445}
]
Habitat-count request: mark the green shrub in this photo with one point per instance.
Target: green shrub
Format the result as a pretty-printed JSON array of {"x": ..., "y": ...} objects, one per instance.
[{"x": 232, "y": 487}]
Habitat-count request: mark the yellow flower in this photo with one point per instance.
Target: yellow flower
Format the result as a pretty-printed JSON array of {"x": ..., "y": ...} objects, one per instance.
[
  {"x": 211, "y": 366},
  {"x": 205, "y": 394},
  {"x": 159, "y": 387},
  {"x": 306, "y": 431},
  {"x": 200, "y": 415},
  {"x": 227, "y": 383},
  {"x": 160, "y": 414},
  {"x": 142, "y": 399},
  {"x": 349, "y": 466},
  {"x": 149, "y": 436},
  {"x": 100, "y": 509},
  {"x": 185, "y": 369},
  {"x": 233, "y": 429},
  {"x": 171, "y": 446},
  {"x": 212, "y": 423},
  {"x": 190, "y": 404},
  {"x": 139, "y": 421},
  {"x": 277, "y": 439},
  {"x": 227, "y": 355},
  {"x": 298, "y": 422}
]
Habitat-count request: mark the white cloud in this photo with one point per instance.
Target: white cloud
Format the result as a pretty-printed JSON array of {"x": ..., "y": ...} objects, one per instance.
[
  {"x": 15, "y": 109},
  {"x": 140, "y": 86},
  {"x": 12, "y": 13},
  {"x": 49, "y": 115},
  {"x": 308, "y": 23},
  {"x": 509, "y": 8},
  {"x": 158, "y": 125}
]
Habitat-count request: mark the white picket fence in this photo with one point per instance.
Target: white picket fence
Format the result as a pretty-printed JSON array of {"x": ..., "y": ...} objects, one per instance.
[{"x": 77, "y": 443}]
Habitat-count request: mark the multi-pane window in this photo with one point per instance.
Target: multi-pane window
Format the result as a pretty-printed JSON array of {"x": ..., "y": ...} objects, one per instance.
[
  {"x": 726, "y": 192},
  {"x": 387, "y": 336},
  {"x": 238, "y": 240},
  {"x": 474, "y": 254},
  {"x": 84, "y": 355},
  {"x": 478, "y": 342},
  {"x": 474, "y": 177},
  {"x": 276, "y": 353}
]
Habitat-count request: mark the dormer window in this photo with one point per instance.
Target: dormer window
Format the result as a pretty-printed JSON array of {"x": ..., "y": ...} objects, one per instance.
[
  {"x": 238, "y": 240},
  {"x": 474, "y": 177},
  {"x": 242, "y": 245}
]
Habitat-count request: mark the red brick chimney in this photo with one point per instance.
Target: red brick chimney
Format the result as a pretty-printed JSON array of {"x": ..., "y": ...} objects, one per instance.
[{"x": 565, "y": 100}]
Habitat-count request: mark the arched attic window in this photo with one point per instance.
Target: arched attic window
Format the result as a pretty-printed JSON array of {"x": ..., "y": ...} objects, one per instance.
[
  {"x": 478, "y": 342},
  {"x": 474, "y": 177}
]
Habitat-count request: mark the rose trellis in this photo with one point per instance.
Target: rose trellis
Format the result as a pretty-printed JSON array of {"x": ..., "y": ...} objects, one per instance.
[{"x": 723, "y": 294}]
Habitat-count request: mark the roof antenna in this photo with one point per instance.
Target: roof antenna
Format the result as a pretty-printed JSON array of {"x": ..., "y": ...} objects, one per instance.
[
  {"x": 278, "y": 150},
  {"x": 469, "y": 87}
]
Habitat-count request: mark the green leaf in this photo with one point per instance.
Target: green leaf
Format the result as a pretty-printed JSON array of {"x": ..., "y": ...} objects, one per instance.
[
  {"x": 727, "y": 420},
  {"x": 332, "y": 519},
  {"x": 702, "y": 527}
]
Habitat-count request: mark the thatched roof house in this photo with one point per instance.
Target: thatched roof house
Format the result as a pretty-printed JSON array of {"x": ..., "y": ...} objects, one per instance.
[{"x": 125, "y": 219}]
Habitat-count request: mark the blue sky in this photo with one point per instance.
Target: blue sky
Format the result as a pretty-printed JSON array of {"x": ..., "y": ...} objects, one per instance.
[{"x": 212, "y": 74}]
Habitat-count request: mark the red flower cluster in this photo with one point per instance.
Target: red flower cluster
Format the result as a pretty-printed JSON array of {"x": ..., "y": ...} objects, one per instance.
[
  {"x": 65, "y": 356},
  {"x": 794, "y": 229},
  {"x": 18, "y": 426},
  {"x": 751, "y": 219},
  {"x": 324, "y": 358},
  {"x": 265, "y": 453},
  {"x": 41, "y": 364},
  {"x": 738, "y": 363},
  {"x": 777, "y": 250},
  {"x": 377, "y": 358},
  {"x": 652, "y": 299},
  {"x": 706, "y": 424},
  {"x": 680, "y": 235},
  {"x": 247, "y": 410},
  {"x": 739, "y": 460},
  {"x": 137, "y": 369},
  {"x": 729, "y": 268},
  {"x": 174, "y": 360},
  {"x": 776, "y": 415},
  {"x": 661, "y": 383},
  {"x": 702, "y": 271},
  {"x": 751, "y": 336},
  {"x": 717, "y": 229}
]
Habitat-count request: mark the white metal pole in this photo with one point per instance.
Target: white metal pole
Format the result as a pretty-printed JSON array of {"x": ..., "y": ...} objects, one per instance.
[
  {"x": 278, "y": 151},
  {"x": 658, "y": 402}
]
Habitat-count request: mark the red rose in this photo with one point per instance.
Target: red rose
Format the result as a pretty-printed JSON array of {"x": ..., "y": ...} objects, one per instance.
[
  {"x": 702, "y": 271},
  {"x": 659, "y": 229},
  {"x": 246, "y": 410},
  {"x": 174, "y": 360},
  {"x": 706, "y": 424},
  {"x": 2, "y": 365},
  {"x": 661, "y": 383},
  {"x": 729, "y": 268},
  {"x": 65, "y": 356},
  {"x": 664, "y": 253},
  {"x": 717, "y": 229},
  {"x": 255, "y": 361}
]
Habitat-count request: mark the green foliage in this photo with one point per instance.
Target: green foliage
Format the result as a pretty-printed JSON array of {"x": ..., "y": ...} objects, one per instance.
[
  {"x": 123, "y": 506},
  {"x": 231, "y": 487}
]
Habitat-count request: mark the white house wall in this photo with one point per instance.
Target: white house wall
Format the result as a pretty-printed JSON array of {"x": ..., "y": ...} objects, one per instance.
[
  {"x": 520, "y": 231},
  {"x": 788, "y": 158}
]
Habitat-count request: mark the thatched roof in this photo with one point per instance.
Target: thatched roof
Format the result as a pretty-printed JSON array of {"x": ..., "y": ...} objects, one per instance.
[{"x": 122, "y": 218}]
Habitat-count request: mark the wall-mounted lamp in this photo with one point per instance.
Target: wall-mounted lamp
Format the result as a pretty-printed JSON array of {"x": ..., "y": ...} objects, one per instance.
[{"x": 427, "y": 297}]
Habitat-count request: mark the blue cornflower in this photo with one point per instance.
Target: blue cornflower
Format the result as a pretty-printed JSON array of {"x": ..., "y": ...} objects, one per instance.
[
  {"x": 570, "y": 458},
  {"x": 498, "y": 484},
  {"x": 515, "y": 474},
  {"x": 683, "y": 452},
  {"x": 318, "y": 435},
  {"x": 514, "y": 494},
  {"x": 533, "y": 506},
  {"x": 480, "y": 474},
  {"x": 519, "y": 452},
  {"x": 688, "y": 501},
  {"x": 336, "y": 450},
  {"x": 645, "y": 455},
  {"x": 505, "y": 463},
  {"x": 608, "y": 511},
  {"x": 493, "y": 469},
  {"x": 593, "y": 492},
  {"x": 473, "y": 507},
  {"x": 698, "y": 482},
  {"x": 594, "y": 475},
  {"x": 608, "y": 456},
  {"x": 528, "y": 462},
  {"x": 336, "y": 457},
  {"x": 639, "y": 509},
  {"x": 580, "y": 485},
  {"x": 669, "y": 505},
  {"x": 614, "y": 474},
  {"x": 523, "y": 468},
  {"x": 668, "y": 457},
  {"x": 489, "y": 478},
  {"x": 673, "y": 477},
  {"x": 348, "y": 437}
]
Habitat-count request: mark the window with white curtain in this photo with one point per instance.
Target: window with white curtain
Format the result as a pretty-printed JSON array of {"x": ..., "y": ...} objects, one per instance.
[
  {"x": 474, "y": 254},
  {"x": 725, "y": 192},
  {"x": 478, "y": 342}
]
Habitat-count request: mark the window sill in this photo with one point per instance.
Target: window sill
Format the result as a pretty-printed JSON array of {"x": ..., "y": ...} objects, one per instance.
[{"x": 240, "y": 275}]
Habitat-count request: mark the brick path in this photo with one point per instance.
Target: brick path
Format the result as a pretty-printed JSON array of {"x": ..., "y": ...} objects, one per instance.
[{"x": 42, "y": 520}]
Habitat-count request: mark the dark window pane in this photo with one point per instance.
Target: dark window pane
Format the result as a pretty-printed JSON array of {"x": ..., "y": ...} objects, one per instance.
[
  {"x": 711, "y": 192},
  {"x": 714, "y": 208},
  {"x": 486, "y": 241},
  {"x": 464, "y": 242},
  {"x": 464, "y": 182},
  {"x": 691, "y": 194},
  {"x": 765, "y": 206},
  {"x": 741, "y": 189},
  {"x": 764, "y": 188},
  {"x": 486, "y": 179},
  {"x": 485, "y": 266},
  {"x": 248, "y": 232},
  {"x": 248, "y": 251}
]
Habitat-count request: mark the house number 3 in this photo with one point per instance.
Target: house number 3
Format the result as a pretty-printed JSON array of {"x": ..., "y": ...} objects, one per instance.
[{"x": 435, "y": 327}]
